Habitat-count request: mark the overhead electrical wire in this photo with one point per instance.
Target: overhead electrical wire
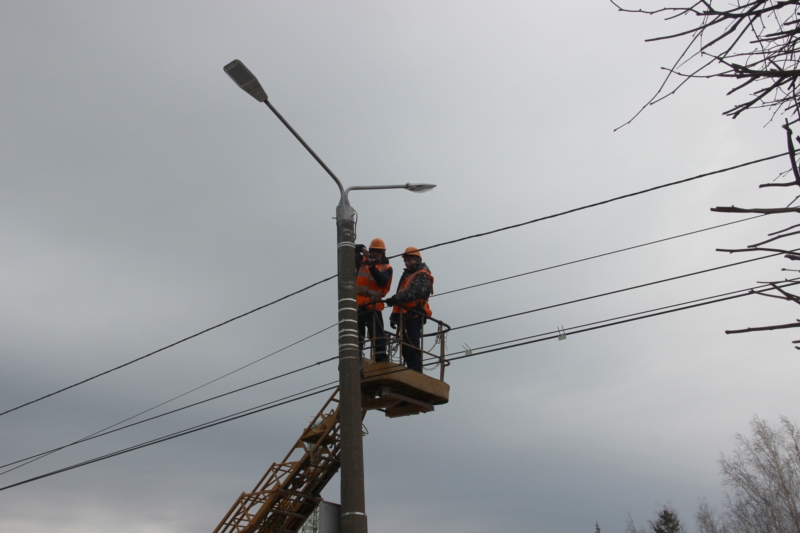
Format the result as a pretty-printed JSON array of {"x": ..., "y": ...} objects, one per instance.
[
  {"x": 207, "y": 383},
  {"x": 740, "y": 292},
  {"x": 596, "y": 204},
  {"x": 105, "y": 430},
  {"x": 145, "y": 356},
  {"x": 633, "y": 287},
  {"x": 332, "y": 385},
  {"x": 235, "y": 416},
  {"x": 575, "y": 331},
  {"x": 439, "y": 294},
  {"x": 473, "y": 236},
  {"x": 109, "y": 429},
  {"x": 596, "y": 256}
]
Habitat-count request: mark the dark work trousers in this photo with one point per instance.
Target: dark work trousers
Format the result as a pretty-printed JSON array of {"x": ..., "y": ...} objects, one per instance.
[
  {"x": 372, "y": 321},
  {"x": 412, "y": 342}
]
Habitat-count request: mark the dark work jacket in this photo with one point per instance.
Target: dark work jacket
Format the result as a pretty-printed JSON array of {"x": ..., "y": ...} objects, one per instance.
[{"x": 420, "y": 288}]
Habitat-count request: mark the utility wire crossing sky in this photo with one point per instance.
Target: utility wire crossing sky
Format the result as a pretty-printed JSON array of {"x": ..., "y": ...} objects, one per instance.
[
  {"x": 574, "y": 330},
  {"x": 596, "y": 204}
]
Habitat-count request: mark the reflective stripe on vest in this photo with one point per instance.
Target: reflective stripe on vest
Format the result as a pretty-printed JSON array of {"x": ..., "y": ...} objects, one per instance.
[
  {"x": 423, "y": 304},
  {"x": 367, "y": 289}
]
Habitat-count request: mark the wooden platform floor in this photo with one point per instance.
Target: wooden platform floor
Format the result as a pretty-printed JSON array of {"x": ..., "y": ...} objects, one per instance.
[{"x": 400, "y": 391}]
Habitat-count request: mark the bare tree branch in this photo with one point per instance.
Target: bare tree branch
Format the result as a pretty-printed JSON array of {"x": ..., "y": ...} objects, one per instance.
[
  {"x": 789, "y": 296},
  {"x": 774, "y": 239},
  {"x": 781, "y": 231},
  {"x": 757, "y": 42},
  {"x": 763, "y": 328},
  {"x": 792, "y": 155},
  {"x": 771, "y": 211}
]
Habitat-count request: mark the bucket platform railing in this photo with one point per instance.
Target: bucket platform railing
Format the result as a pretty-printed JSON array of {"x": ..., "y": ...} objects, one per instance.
[
  {"x": 397, "y": 390},
  {"x": 395, "y": 343}
]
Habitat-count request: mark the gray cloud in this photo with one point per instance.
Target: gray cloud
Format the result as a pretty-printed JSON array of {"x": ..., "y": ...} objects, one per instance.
[{"x": 145, "y": 198}]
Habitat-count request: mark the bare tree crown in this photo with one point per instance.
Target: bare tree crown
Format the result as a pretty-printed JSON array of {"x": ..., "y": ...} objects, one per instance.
[
  {"x": 762, "y": 481},
  {"x": 756, "y": 43}
]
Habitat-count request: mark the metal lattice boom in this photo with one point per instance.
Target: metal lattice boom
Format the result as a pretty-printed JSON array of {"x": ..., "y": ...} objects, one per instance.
[{"x": 290, "y": 490}]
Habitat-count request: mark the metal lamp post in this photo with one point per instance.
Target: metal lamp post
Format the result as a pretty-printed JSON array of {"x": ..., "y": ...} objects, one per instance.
[{"x": 353, "y": 517}]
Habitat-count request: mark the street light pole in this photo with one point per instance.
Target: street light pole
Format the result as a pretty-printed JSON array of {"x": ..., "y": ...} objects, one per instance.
[
  {"x": 353, "y": 510},
  {"x": 353, "y": 517}
]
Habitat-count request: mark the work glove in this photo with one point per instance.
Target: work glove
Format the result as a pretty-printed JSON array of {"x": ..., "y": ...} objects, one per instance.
[
  {"x": 391, "y": 301},
  {"x": 393, "y": 320}
]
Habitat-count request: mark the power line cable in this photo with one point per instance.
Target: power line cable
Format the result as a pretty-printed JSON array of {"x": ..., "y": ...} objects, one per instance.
[
  {"x": 596, "y": 256},
  {"x": 105, "y": 430},
  {"x": 165, "y": 347},
  {"x": 440, "y": 294},
  {"x": 790, "y": 283},
  {"x": 505, "y": 228},
  {"x": 96, "y": 435},
  {"x": 247, "y": 412},
  {"x": 633, "y": 287},
  {"x": 555, "y": 335},
  {"x": 108, "y": 430},
  {"x": 331, "y": 385},
  {"x": 218, "y": 378},
  {"x": 610, "y": 200}
]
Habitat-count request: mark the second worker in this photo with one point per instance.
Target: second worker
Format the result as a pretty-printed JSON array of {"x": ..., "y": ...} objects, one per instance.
[
  {"x": 411, "y": 307},
  {"x": 373, "y": 282}
]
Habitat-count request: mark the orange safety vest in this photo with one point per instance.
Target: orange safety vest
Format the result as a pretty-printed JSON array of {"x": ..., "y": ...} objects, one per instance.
[
  {"x": 413, "y": 303},
  {"x": 367, "y": 290}
]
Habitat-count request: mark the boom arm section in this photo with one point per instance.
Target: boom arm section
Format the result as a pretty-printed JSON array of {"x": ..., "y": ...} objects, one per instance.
[{"x": 290, "y": 490}]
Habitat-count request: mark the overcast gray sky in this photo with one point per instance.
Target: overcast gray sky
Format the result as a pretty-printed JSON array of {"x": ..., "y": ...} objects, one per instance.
[{"x": 145, "y": 198}]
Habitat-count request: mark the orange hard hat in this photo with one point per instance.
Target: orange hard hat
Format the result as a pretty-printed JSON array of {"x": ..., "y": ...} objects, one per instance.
[
  {"x": 412, "y": 251},
  {"x": 377, "y": 244}
]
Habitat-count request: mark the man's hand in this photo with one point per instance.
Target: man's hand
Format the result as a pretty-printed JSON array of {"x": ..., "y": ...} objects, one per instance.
[
  {"x": 391, "y": 301},
  {"x": 393, "y": 320}
]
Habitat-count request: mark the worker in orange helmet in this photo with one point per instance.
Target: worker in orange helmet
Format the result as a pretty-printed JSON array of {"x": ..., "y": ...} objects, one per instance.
[
  {"x": 373, "y": 281},
  {"x": 411, "y": 302}
]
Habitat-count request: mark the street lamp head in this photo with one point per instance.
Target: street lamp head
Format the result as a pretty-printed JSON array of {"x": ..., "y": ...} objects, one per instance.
[
  {"x": 245, "y": 79},
  {"x": 419, "y": 187}
]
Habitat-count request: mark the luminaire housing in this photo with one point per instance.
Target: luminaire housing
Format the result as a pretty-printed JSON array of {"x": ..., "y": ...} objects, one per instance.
[
  {"x": 245, "y": 79},
  {"x": 419, "y": 187}
]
